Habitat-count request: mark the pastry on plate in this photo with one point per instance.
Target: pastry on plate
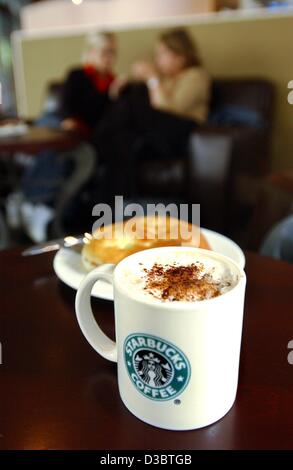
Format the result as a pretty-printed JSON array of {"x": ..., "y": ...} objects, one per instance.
[{"x": 112, "y": 243}]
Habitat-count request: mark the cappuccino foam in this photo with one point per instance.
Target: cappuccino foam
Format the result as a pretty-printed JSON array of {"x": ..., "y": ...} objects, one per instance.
[{"x": 179, "y": 276}]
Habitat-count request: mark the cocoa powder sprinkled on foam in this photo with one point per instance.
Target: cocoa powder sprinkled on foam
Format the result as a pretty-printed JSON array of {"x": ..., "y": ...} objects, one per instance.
[{"x": 177, "y": 282}]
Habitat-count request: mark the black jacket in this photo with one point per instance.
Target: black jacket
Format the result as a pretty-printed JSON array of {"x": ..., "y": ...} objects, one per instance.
[{"x": 82, "y": 100}]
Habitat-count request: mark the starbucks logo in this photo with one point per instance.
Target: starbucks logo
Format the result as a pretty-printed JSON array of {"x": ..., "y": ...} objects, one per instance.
[{"x": 158, "y": 369}]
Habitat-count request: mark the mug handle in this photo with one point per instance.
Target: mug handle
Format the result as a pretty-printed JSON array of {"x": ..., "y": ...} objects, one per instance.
[{"x": 88, "y": 325}]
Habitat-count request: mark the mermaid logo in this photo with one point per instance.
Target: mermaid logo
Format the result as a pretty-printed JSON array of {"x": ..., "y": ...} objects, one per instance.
[
  {"x": 158, "y": 369},
  {"x": 153, "y": 369}
]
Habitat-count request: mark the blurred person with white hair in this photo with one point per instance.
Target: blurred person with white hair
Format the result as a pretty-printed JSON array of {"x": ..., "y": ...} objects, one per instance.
[
  {"x": 84, "y": 99},
  {"x": 86, "y": 89}
]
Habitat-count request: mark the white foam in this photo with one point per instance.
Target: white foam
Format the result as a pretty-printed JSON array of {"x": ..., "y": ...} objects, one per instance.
[{"x": 133, "y": 274}]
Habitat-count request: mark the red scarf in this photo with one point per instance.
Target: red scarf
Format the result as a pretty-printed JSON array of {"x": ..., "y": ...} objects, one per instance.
[{"x": 101, "y": 82}]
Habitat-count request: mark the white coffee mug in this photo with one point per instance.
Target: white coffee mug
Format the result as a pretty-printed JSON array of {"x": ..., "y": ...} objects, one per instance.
[{"x": 177, "y": 361}]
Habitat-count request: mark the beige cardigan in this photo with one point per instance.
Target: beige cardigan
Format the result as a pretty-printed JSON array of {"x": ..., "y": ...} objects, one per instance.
[{"x": 187, "y": 94}]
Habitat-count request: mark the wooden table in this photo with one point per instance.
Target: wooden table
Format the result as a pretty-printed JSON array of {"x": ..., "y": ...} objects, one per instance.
[
  {"x": 34, "y": 141},
  {"x": 57, "y": 393},
  {"x": 37, "y": 139}
]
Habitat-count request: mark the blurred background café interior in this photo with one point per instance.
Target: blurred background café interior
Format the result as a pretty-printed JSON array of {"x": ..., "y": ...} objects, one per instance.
[{"x": 186, "y": 101}]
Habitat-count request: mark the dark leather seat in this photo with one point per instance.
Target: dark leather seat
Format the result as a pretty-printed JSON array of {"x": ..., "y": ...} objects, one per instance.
[{"x": 224, "y": 162}]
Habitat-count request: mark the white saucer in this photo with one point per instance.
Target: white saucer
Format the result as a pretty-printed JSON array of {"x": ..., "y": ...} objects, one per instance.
[{"x": 68, "y": 266}]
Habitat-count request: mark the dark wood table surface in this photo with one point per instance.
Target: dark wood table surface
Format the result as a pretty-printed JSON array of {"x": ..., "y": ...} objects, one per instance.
[
  {"x": 37, "y": 139},
  {"x": 57, "y": 393}
]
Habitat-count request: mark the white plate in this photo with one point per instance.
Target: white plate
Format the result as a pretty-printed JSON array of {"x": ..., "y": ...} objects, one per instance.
[{"x": 68, "y": 266}]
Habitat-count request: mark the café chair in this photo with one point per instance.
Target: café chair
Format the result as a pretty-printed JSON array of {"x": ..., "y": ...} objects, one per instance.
[
  {"x": 274, "y": 203},
  {"x": 83, "y": 159}
]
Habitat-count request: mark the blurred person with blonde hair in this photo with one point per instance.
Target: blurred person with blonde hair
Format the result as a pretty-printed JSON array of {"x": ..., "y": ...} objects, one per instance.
[
  {"x": 155, "y": 111},
  {"x": 177, "y": 80}
]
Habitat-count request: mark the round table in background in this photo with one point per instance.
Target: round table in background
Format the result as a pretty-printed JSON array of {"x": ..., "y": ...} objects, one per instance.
[{"x": 37, "y": 139}]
